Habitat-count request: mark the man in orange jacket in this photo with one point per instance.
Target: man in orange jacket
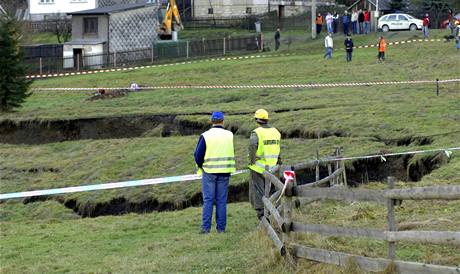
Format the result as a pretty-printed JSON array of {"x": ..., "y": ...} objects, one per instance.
[
  {"x": 319, "y": 23},
  {"x": 382, "y": 46}
]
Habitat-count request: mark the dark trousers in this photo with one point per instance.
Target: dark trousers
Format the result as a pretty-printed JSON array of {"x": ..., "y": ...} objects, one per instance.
[
  {"x": 318, "y": 28},
  {"x": 349, "y": 56},
  {"x": 346, "y": 27},
  {"x": 381, "y": 55},
  {"x": 256, "y": 192},
  {"x": 277, "y": 44}
]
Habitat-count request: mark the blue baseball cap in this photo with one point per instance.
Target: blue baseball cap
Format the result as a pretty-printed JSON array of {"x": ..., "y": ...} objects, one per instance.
[{"x": 217, "y": 116}]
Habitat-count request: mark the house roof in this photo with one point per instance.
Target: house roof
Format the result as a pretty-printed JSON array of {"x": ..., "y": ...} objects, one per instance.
[{"x": 110, "y": 9}]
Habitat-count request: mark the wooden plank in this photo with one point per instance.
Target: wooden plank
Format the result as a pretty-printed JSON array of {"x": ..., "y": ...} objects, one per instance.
[
  {"x": 344, "y": 175},
  {"x": 317, "y": 166},
  {"x": 370, "y": 264},
  {"x": 273, "y": 179},
  {"x": 287, "y": 211},
  {"x": 330, "y": 230},
  {"x": 272, "y": 234},
  {"x": 274, "y": 213},
  {"x": 341, "y": 194},
  {"x": 275, "y": 196},
  {"x": 306, "y": 201},
  {"x": 425, "y": 193},
  {"x": 391, "y": 220},
  {"x": 429, "y": 237},
  {"x": 267, "y": 194}
]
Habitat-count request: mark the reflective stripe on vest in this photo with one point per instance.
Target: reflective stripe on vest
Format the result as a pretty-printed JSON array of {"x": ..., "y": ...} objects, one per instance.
[
  {"x": 268, "y": 149},
  {"x": 220, "y": 155}
]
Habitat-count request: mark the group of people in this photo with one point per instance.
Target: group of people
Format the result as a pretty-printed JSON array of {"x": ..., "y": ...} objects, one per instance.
[
  {"x": 348, "y": 43},
  {"x": 215, "y": 160},
  {"x": 358, "y": 20}
]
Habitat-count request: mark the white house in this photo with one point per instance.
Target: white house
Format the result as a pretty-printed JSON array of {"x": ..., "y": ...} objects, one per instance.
[{"x": 39, "y": 9}]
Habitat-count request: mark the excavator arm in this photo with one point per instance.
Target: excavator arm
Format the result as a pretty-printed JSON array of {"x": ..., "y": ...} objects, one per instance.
[{"x": 172, "y": 14}]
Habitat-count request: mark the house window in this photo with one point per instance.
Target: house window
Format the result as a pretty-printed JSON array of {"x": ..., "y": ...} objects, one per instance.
[
  {"x": 210, "y": 11},
  {"x": 248, "y": 10},
  {"x": 90, "y": 25},
  {"x": 46, "y": 1}
]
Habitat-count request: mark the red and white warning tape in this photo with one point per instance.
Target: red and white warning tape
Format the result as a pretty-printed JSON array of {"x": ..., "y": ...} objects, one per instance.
[
  {"x": 265, "y": 86},
  {"x": 86, "y": 72},
  {"x": 192, "y": 177}
]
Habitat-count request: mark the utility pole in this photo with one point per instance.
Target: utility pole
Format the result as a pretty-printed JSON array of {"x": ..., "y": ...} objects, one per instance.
[
  {"x": 313, "y": 19},
  {"x": 376, "y": 16}
]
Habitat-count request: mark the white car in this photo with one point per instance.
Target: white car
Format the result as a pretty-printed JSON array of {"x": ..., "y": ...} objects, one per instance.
[{"x": 399, "y": 21}]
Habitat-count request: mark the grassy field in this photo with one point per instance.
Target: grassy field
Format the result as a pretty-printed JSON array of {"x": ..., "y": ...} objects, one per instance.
[{"x": 47, "y": 236}]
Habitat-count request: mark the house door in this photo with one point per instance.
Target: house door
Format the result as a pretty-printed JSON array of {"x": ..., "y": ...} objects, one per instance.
[
  {"x": 78, "y": 58},
  {"x": 280, "y": 11}
]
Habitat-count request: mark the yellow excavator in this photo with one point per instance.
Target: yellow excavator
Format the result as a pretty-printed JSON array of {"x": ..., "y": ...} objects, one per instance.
[{"x": 168, "y": 26}]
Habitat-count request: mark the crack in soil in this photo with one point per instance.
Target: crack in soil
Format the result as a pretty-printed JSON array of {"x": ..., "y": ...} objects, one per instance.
[
  {"x": 358, "y": 172},
  {"x": 41, "y": 132}
]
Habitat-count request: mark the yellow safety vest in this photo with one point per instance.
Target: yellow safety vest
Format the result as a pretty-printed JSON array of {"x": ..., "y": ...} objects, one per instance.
[
  {"x": 220, "y": 155},
  {"x": 268, "y": 149}
]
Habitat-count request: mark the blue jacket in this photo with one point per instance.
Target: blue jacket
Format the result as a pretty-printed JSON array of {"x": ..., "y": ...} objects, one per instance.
[
  {"x": 346, "y": 19},
  {"x": 348, "y": 45}
]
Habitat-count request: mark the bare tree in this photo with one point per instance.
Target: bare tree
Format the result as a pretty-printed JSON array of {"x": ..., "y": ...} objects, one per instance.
[
  {"x": 9, "y": 7},
  {"x": 61, "y": 26}
]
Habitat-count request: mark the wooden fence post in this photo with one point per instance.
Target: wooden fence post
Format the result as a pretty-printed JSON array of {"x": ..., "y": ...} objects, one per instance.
[
  {"x": 224, "y": 46},
  {"x": 267, "y": 192},
  {"x": 317, "y": 165},
  {"x": 153, "y": 54},
  {"x": 187, "y": 45},
  {"x": 115, "y": 58},
  {"x": 287, "y": 208},
  {"x": 344, "y": 173},
  {"x": 391, "y": 220},
  {"x": 41, "y": 66}
]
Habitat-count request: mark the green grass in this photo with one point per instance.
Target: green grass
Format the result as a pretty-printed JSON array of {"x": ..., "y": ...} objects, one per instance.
[
  {"x": 45, "y": 237},
  {"x": 39, "y": 38}
]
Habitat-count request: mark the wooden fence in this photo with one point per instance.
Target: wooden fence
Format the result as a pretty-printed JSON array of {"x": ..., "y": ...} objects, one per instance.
[{"x": 279, "y": 224}]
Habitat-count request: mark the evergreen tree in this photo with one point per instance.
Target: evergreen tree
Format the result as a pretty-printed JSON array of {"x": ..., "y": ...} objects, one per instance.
[
  {"x": 13, "y": 83},
  {"x": 398, "y": 5}
]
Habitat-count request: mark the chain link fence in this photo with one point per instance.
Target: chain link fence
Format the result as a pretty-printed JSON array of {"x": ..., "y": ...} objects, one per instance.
[{"x": 160, "y": 52}]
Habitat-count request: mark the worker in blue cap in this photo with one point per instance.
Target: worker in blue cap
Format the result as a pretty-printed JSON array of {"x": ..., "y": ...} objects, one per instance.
[{"x": 215, "y": 159}]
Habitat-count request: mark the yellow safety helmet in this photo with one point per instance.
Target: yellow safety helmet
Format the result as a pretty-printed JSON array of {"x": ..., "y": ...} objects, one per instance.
[{"x": 261, "y": 114}]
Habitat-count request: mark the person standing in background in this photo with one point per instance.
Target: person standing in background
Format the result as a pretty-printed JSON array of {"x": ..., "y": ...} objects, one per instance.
[
  {"x": 335, "y": 21},
  {"x": 329, "y": 22},
  {"x": 367, "y": 22},
  {"x": 425, "y": 25},
  {"x": 329, "y": 45},
  {"x": 319, "y": 23},
  {"x": 346, "y": 22},
  {"x": 277, "y": 39},
  {"x": 348, "y": 47},
  {"x": 360, "y": 22},
  {"x": 354, "y": 22},
  {"x": 381, "y": 47}
]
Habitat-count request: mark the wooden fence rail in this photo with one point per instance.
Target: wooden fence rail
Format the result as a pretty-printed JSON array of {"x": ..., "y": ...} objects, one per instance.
[{"x": 391, "y": 197}]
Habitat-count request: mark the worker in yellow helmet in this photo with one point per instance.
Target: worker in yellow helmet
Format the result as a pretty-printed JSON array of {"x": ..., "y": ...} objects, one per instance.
[{"x": 264, "y": 152}]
